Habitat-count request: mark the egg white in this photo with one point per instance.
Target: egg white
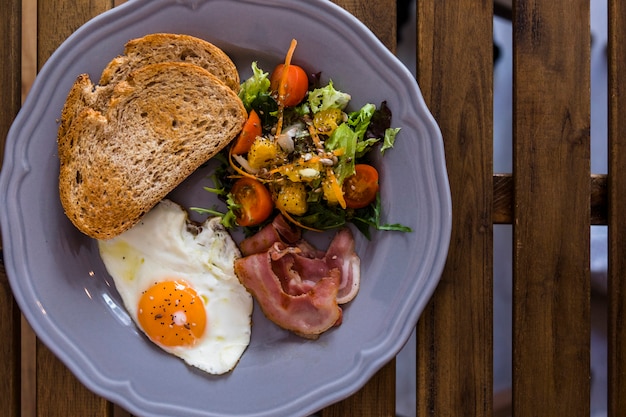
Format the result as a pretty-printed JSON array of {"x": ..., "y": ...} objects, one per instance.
[{"x": 165, "y": 246}]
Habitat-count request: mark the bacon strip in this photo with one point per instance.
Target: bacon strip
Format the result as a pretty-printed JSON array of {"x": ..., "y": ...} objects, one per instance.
[
  {"x": 341, "y": 255},
  {"x": 297, "y": 274},
  {"x": 308, "y": 314},
  {"x": 279, "y": 230},
  {"x": 297, "y": 286}
]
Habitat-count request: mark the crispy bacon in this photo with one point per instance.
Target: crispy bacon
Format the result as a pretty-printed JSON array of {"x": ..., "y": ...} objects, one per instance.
[{"x": 297, "y": 286}]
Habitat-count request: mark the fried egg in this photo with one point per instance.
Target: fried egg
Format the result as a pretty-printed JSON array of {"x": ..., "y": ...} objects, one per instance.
[{"x": 177, "y": 282}]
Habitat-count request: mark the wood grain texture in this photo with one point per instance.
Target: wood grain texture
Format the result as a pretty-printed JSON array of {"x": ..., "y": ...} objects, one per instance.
[
  {"x": 10, "y": 76},
  {"x": 551, "y": 277},
  {"x": 455, "y": 73},
  {"x": 9, "y": 350},
  {"x": 29, "y": 45},
  {"x": 56, "y": 20},
  {"x": 617, "y": 207},
  {"x": 59, "y": 393},
  {"x": 379, "y": 16},
  {"x": 377, "y": 397},
  {"x": 10, "y": 92}
]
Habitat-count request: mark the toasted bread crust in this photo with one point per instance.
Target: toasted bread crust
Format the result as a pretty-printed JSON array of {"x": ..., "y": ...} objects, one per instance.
[
  {"x": 161, "y": 123},
  {"x": 169, "y": 47},
  {"x": 78, "y": 99}
]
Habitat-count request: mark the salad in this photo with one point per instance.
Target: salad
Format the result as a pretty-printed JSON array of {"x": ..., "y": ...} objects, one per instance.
[{"x": 303, "y": 154}]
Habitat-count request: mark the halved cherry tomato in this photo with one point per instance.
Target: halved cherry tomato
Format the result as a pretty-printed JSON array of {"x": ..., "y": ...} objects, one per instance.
[
  {"x": 251, "y": 129},
  {"x": 359, "y": 190},
  {"x": 254, "y": 200},
  {"x": 294, "y": 87}
]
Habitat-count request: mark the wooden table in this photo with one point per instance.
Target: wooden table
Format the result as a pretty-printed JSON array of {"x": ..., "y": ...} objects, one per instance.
[{"x": 551, "y": 199}]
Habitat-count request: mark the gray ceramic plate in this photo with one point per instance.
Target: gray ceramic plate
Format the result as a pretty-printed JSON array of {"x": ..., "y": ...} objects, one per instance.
[{"x": 65, "y": 293}]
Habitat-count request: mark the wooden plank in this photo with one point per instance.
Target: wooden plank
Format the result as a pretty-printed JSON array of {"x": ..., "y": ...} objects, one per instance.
[
  {"x": 379, "y": 16},
  {"x": 10, "y": 92},
  {"x": 9, "y": 349},
  {"x": 59, "y": 393},
  {"x": 551, "y": 278},
  {"x": 29, "y": 45},
  {"x": 377, "y": 397},
  {"x": 617, "y": 205},
  {"x": 455, "y": 341},
  {"x": 10, "y": 80},
  {"x": 58, "y": 19}
]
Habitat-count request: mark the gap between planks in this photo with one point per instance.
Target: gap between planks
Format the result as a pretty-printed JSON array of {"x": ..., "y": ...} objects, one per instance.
[{"x": 503, "y": 199}]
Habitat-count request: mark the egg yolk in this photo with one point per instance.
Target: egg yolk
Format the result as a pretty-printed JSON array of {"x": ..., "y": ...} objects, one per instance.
[{"x": 172, "y": 314}]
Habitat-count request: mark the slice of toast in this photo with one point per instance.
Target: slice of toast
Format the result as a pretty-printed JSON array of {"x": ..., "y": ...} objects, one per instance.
[
  {"x": 162, "y": 122},
  {"x": 162, "y": 47},
  {"x": 149, "y": 49}
]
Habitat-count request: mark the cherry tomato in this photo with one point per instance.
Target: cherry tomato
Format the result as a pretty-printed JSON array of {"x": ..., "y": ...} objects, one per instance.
[
  {"x": 255, "y": 201},
  {"x": 360, "y": 189},
  {"x": 251, "y": 129},
  {"x": 294, "y": 87}
]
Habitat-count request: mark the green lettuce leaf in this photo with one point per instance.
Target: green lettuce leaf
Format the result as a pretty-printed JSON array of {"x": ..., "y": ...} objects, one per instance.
[
  {"x": 251, "y": 88},
  {"x": 370, "y": 216},
  {"x": 327, "y": 98},
  {"x": 360, "y": 120},
  {"x": 343, "y": 138},
  {"x": 389, "y": 139}
]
